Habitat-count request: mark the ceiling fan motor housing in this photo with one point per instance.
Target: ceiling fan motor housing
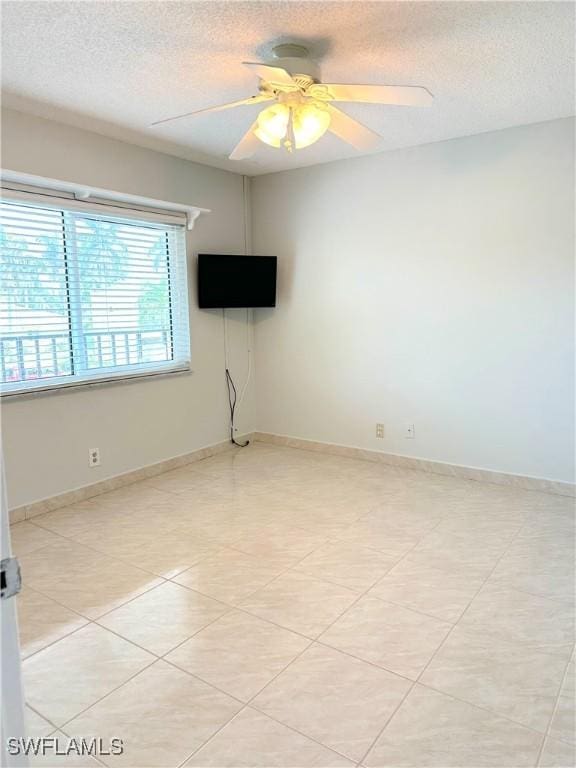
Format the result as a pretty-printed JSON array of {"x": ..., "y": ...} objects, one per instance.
[{"x": 295, "y": 60}]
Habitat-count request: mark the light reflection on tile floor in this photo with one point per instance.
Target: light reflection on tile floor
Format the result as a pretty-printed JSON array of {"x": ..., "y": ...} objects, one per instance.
[{"x": 274, "y": 607}]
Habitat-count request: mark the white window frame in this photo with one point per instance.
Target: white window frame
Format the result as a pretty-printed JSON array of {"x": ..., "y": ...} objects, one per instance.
[{"x": 111, "y": 205}]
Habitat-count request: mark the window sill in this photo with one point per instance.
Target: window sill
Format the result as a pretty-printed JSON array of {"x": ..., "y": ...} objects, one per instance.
[{"x": 59, "y": 389}]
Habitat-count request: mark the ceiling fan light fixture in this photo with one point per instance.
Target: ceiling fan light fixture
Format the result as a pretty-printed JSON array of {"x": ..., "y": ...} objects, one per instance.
[{"x": 285, "y": 124}]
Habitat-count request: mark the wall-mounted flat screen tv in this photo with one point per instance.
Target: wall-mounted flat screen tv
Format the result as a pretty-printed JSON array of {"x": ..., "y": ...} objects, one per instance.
[{"x": 236, "y": 281}]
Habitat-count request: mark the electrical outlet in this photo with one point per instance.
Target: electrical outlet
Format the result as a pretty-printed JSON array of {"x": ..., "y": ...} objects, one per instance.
[
  {"x": 380, "y": 430},
  {"x": 93, "y": 457},
  {"x": 409, "y": 434}
]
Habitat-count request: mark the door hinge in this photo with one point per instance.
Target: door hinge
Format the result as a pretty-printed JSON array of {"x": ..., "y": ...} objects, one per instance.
[{"x": 10, "y": 578}]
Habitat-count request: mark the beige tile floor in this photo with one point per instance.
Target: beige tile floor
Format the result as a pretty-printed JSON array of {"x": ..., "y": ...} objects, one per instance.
[{"x": 272, "y": 607}]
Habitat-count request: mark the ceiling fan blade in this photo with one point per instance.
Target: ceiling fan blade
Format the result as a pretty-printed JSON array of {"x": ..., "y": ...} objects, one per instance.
[
  {"x": 270, "y": 74},
  {"x": 247, "y": 145},
  {"x": 351, "y": 131},
  {"x": 250, "y": 100},
  {"x": 397, "y": 95}
]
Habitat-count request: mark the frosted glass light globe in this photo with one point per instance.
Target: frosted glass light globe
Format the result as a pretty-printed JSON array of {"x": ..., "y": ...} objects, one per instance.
[{"x": 285, "y": 124}]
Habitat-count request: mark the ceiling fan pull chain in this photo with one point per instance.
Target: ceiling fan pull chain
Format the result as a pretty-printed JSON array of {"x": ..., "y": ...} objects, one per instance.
[{"x": 289, "y": 138}]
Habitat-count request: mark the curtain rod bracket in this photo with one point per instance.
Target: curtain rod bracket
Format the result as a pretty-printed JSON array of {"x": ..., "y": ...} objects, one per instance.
[{"x": 191, "y": 217}]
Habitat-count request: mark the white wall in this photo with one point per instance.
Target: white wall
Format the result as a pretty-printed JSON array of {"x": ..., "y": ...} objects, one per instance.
[
  {"x": 46, "y": 437},
  {"x": 431, "y": 286}
]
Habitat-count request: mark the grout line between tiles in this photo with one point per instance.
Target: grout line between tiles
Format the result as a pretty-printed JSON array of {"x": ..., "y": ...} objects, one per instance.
[
  {"x": 49, "y": 645},
  {"x": 548, "y": 733},
  {"x": 284, "y": 725},
  {"x": 498, "y": 715},
  {"x": 29, "y": 706},
  {"x": 117, "y": 687},
  {"x": 94, "y": 619}
]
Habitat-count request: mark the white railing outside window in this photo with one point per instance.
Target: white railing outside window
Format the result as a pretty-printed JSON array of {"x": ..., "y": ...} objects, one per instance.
[{"x": 87, "y": 297}]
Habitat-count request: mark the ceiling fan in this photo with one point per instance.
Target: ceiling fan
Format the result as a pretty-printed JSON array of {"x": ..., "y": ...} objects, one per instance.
[{"x": 302, "y": 109}]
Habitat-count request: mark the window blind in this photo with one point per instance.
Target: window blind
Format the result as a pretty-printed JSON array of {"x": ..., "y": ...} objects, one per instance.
[{"x": 89, "y": 296}]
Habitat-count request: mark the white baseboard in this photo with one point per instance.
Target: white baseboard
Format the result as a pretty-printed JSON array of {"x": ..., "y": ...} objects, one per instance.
[
  {"x": 424, "y": 465},
  {"x": 42, "y": 506}
]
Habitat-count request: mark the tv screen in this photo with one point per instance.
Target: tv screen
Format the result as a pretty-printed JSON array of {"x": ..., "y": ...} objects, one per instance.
[{"x": 236, "y": 281}]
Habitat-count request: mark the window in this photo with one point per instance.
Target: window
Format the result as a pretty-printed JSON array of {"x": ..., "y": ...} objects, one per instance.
[{"x": 86, "y": 296}]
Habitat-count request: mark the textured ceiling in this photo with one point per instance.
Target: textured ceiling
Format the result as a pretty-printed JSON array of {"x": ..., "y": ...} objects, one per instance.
[{"x": 114, "y": 67}]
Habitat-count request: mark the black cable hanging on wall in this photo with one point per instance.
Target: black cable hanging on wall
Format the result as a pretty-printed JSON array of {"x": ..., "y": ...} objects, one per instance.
[
  {"x": 232, "y": 394},
  {"x": 232, "y": 398}
]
